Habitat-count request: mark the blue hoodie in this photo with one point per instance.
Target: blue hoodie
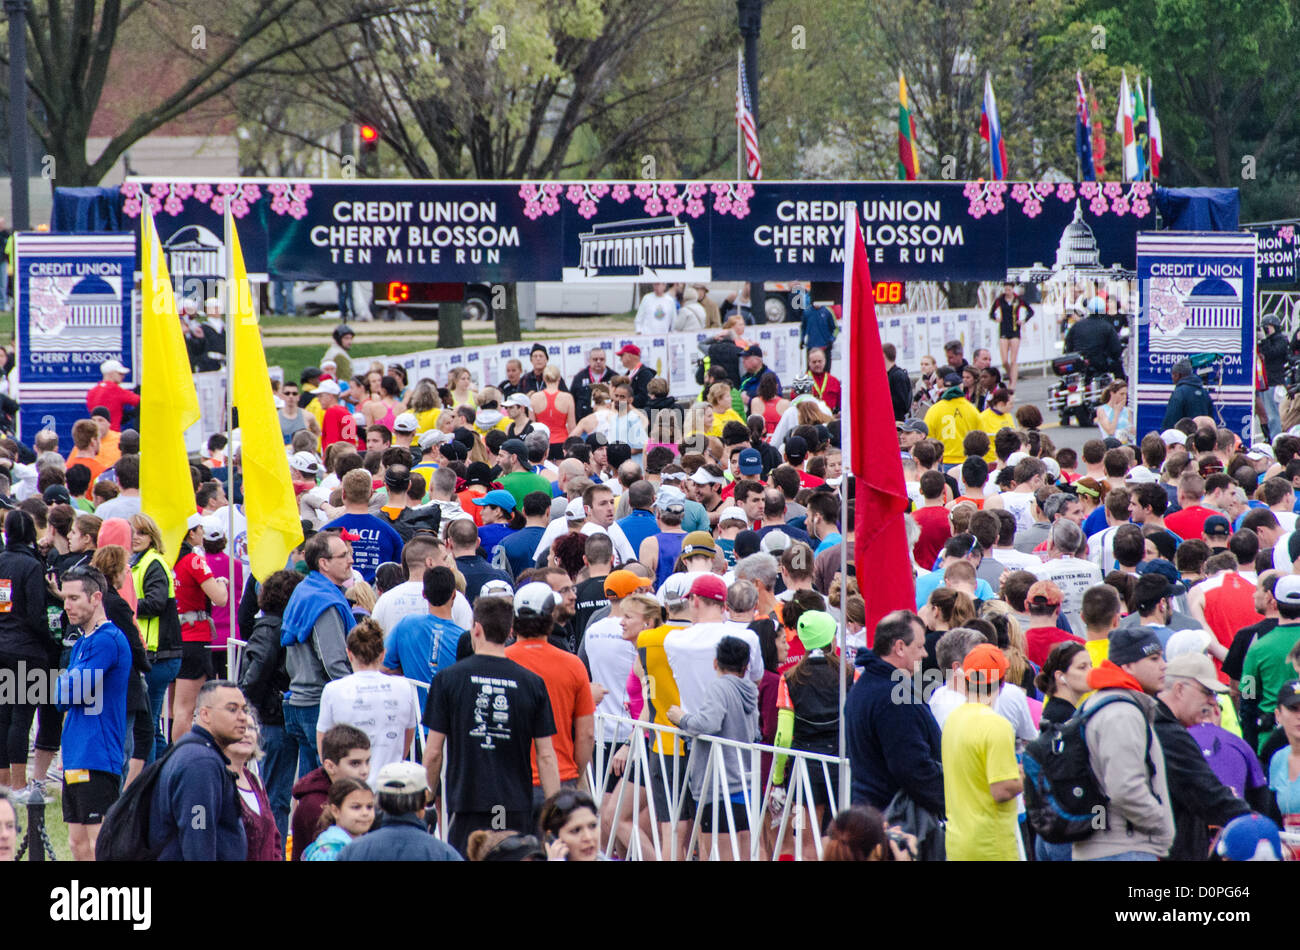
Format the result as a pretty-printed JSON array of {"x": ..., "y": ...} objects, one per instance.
[{"x": 195, "y": 814}]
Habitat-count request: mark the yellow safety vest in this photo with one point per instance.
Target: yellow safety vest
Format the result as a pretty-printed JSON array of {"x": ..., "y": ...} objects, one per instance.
[{"x": 149, "y": 625}]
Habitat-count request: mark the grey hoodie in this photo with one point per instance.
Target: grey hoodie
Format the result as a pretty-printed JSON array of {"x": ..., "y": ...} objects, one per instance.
[{"x": 729, "y": 711}]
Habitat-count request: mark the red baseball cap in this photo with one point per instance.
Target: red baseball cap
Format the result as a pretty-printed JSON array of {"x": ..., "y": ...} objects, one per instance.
[
  {"x": 629, "y": 348},
  {"x": 710, "y": 586}
]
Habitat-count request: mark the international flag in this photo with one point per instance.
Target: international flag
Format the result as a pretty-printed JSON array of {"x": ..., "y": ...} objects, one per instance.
[
  {"x": 991, "y": 131},
  {"x": 1153, "y": 123},
  {"x": 270, "y": 507},
  {"x": 1083, "y": 131},
  {"x": 1124, "y": 126},
  {"x": 745, "y": 120},
  {"x": 1098, "y": 134},
  {"x": 909, "y": 163},
  {"x": 168, "y": 403},
  {"x": 1140, "y": 127},
  {"x": 870, "y": 445}
]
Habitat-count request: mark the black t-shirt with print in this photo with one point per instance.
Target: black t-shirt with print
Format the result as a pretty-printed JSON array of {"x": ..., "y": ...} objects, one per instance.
[
  {"x": 590, "y": 598},
  {"x": 490, "y": 709}
]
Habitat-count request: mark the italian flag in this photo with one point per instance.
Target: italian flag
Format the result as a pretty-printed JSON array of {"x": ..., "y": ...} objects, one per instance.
[{"x": 909, "y": 164}]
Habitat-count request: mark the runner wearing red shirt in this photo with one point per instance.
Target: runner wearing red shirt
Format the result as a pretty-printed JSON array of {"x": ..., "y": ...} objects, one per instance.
[
  {"x": 1189, "y": 522},
  {"x": 1043, "y": 605},
  {"x": 337, "y": 424},
  {"x": 110, "y": 393},
  {"x": 197, "y": 592},
  {"x": 932, "y": 519}
]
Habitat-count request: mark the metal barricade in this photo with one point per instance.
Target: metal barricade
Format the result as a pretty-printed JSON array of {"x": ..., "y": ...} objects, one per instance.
[{"x": 771, "y": 812}]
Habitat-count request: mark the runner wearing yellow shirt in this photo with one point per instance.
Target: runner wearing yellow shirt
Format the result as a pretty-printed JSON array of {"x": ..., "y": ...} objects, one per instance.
[{"x": 951, "y": 418}]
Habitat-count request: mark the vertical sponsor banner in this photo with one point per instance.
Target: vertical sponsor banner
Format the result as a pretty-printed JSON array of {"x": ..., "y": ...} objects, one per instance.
[
  {"x": 72, "y": 307},
  {"x": 1196, "y": 295},
  {"x": 1275, "y": 258}
]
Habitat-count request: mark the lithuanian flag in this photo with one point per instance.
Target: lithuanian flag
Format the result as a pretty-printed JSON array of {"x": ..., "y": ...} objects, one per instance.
[{"x": 909, "y": 163}]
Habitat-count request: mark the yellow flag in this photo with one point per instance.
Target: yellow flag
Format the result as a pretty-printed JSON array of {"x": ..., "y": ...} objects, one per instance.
[
  {"x": 270, "y": 506},
  {"x": 168, "y": 402}
]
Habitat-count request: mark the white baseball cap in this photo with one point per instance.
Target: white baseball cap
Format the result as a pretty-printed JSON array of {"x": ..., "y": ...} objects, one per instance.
[
  {"x": 305, "y": 462},
  {"x": 676, "y": 589},
  {"x": 519, "y": 399},
  {"x": 1016, "y": 457},
  {"x": 534, "y": 598},
  {"x": 193, "y": 521},
  {"x": 431, "y": 437},
  {"x": 543, "y": 428},
  {"x": 496, "y": 587},
  {"x": 733, "y": 513},
  {"x": 575, "y": 510},
  {"x": 406, "y": 422},
  {"x": 1173, "y": 437},
  {"x": 329, "y": 387},
  {"x": 112, "y": 366},
  {"x": 701, "y": 477},
  {"x": 214, "y": 528}
]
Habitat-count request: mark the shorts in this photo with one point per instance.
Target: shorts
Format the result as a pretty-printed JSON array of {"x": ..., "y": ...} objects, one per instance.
[
  {"x": 1009, "y": 335},
  {"x": 86, "y": 803},
  {"x": 196, "y": 661},
  {"x": 611, "y": 780},
  {"x": 556, "y": 451},
  {"x": 660, "y": 779},
  {"x": 707, "y": 816}
]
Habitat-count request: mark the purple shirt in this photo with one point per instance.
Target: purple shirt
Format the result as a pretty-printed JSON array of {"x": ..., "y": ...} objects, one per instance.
[{"x": 1229, "y": 757}]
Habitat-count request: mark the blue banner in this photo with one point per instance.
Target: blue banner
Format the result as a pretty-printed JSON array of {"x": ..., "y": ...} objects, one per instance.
[
  {"x": 72, "y": 313},
  {"x": 644, "y": 231},
  {"x": 1276, "y": 258},
  {"x": 1196, "y": 302}
]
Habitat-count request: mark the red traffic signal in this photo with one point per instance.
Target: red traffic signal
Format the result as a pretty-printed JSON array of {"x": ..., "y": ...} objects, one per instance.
[{"x": 369, "y": 137}]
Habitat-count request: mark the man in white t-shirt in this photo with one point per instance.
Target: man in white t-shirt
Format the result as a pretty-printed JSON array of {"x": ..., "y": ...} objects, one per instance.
[
  {"x": 949, "y": 651},
  {"x": 1028, "y": 475},
  {"x": 1067, "y": 570},
  {"x": 655, "y": 313},
  {"x": 691, "y": 651},
  {"x": 420, "y": 554}
]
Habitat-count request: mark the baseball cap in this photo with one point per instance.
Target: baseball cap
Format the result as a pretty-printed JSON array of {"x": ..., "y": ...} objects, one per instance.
[
  {"x": 575, "y": 510},
  {"x": 987, "y": 659},
  {"x": 733, "y": 513},
  {"x": 913, "y": 425},
  {"x": 1187, "y": 641},
  {"x": 1196, "y": 666},
  {"x": 1151, "y": 588},
  {"x": 431, "y": 437},
  {"x": 541, "y": 427},
  {"x": 698, "y": 542},
  {"x": 1260, "y": 451},
  {"x": 304, "y": 462},
  {"x": 1138, "y": 475},
  {"x": 112, "y": 366},
  {"x": 402, "y": 778},
  {"x": 1015, "y": 458},
  {"x": 775, "y": 542},
  {"x": 328, "y": 386},
  {"x": 952, "y": 379},
  {"x": 518, "y": 399},
  {"x": 1128, "y": 645},
  {"x": 676, "y": 589},
  {"x": 1165, "y": 568},
  {"x": 597, "y": 439},
  {"x": 1044, "y": 594},
  {"x": 1053, "y": 469},
  {"x": 497, "y": 496},
  {"x": 517, "y": 448},
  {"x": 56, "y": 495},
  {"x": 816, "y": 629},
  {"x": 1250, "y": 837},
  {"x": 629, "y": 348},
  {"x": 1287, "y": 590},
  {"x": 534, "y": 599},
  {"x": 709, "y": 586},
  {"x": 753, "y": 350},
  {"x": 622, "y": 583},
  {"x": 102, "y": 412},
  {"x": 702, "y": 477},
  {"x": 750, "y": 462},
  {"x": 1288, "y": 694},
  {"x": 1173, "y": 437},
  {"x": 1216, "y": 525},
  {"x": 796, "y": 448},
  {"x": 496, "y": 587},
  {"x": 193, "y": 521},
  {"x": 478, "y": 473},
  {"x": 214, "y": 528},
  {"x": 670, "y": 497},
  {"x": 406, "y": 422}
]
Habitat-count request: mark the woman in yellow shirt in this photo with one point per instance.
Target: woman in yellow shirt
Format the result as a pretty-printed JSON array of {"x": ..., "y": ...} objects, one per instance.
[
  {"x": 720, "y": 403},
  {"x": 426, "y": 404}
]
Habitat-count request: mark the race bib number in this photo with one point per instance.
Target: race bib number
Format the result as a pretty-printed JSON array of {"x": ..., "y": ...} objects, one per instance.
[
  {"x": 6, "y": 595},
  {"x": 76, "y": 776}
]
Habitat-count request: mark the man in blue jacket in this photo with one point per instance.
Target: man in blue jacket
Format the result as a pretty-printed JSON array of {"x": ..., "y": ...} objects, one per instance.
[
  {"x": 403, "y": 790},
  {"x": 92, "y": 691},
  {"x": 194, "y": 814},
  {"x": 818, "y": 330},
  {"x": 1189, "y": 399},
  {"x": 893, "y": 739}
]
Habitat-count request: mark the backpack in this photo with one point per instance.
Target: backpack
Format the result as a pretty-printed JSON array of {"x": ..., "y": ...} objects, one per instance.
[
  {"x": 1062, "y": 795},
  {"x": 124, "y": 835}
]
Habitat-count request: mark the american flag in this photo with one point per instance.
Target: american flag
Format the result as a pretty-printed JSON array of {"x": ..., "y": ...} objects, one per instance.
[{"x": 745, "y": 119}]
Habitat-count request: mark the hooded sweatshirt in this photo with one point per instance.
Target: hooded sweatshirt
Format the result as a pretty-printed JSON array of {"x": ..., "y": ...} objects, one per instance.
[
  {"x": 1139, "y": 816},
  {"x": 729, "y": 711},
  {"x": 311, "y": 791}
]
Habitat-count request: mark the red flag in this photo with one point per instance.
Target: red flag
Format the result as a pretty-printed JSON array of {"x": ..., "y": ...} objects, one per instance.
[{"x": 870, "y": 445}]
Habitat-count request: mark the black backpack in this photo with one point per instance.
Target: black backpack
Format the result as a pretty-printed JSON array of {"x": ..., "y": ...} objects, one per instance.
[
  {"x": 1063, "y": 799},
  {"x": 124, "y": 835}
]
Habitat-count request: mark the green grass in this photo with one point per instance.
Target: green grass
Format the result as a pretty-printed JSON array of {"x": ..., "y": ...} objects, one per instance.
[{"x": 55, "y": 829}]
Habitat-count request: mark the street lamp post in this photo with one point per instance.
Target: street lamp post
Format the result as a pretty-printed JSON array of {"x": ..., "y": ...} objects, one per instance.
[
  {"x": 18, "y": 169},
  {"x": 751, "y": 24}
]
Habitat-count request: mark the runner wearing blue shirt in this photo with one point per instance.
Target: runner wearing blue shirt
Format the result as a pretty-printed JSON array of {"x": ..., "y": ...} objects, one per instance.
[
  {"x": 498, "y": 508},
  {"x": 373, "y": 541},
  {"x": 422, "y": 644},
  {"x": 92, "y": 692}
]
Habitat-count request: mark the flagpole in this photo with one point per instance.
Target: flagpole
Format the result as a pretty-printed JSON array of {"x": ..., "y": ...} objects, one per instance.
[
  {"x": 232, "y": 595},
  {"x": 850, "y": 240},
  {"x": 740, "y": 152}
]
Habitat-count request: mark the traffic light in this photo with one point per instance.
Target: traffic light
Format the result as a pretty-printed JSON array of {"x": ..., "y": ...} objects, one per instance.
[{"x": 369, "y": 139}]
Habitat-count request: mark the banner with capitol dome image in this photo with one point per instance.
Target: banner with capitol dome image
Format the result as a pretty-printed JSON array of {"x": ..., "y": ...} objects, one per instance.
[{"x": 1196, "y": 303}]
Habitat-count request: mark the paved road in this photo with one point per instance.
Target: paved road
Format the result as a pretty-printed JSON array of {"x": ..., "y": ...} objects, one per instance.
[{"x": 1033, "y": 391}]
